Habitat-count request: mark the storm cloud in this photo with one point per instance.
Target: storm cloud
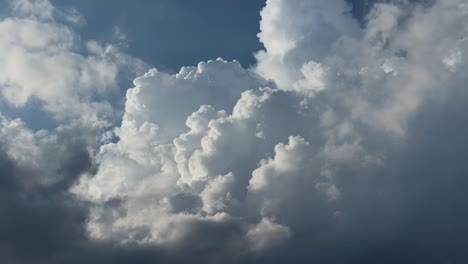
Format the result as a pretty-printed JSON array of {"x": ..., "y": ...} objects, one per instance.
[{"x": 345, "y": 143}]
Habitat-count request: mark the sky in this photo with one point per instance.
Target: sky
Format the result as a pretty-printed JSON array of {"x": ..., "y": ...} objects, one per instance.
[
  {"x": 175, "y": 33},
  {"x": 166, "y": 34},
  {"x": 171, "y": 34},
  {"x": 275, "y": 131}
]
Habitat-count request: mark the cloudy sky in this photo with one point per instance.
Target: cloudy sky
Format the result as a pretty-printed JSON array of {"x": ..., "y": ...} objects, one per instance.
[{"x": 233, "y": 131}]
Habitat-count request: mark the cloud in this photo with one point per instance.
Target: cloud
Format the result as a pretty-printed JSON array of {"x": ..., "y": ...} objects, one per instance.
[
  {"x": 38, "y": 214},
  {"x": 42, "y": 60},
  {"x": 41, "y": 8},
  {"x": 344, "y": 144},
  {"x": 296, "y": 163},
  {"x": 295, "y": 32},
  {"x": 266, "y": 234}
]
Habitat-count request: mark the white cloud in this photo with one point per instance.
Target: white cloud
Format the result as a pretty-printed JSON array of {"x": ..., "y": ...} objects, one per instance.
[
  {"x": 40, "y": 60},
  {"x": 295, "y": 32},
  {"x": 42, "y": 9},
  {"x": 217, "y": 158},
  {"x": 41, "y": 154},
  {"x": 267, "y": 234},
  {"x": 208, "y": 141}
]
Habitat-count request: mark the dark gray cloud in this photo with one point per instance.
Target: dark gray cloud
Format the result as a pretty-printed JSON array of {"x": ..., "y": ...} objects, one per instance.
[
  {"x": 40, "y": 223},
  {"x": 46, "y": 224},
  {"x": 413, "y": 211}
]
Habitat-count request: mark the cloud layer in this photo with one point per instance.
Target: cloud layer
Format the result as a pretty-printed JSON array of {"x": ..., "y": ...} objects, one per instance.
[{"x": 344, "y": 144}]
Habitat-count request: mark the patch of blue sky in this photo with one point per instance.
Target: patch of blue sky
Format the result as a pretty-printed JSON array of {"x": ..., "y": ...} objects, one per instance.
[{"x": 173, "y": 33}]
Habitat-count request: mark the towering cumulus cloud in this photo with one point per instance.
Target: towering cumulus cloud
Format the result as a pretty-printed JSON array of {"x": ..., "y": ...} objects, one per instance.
[{"x": 345, "y": 143}]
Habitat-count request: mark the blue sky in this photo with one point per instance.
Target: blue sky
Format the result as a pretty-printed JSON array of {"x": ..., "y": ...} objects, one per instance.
[
  {"x": 167, "y": 34},
  {"x": 175, "y": 33}
]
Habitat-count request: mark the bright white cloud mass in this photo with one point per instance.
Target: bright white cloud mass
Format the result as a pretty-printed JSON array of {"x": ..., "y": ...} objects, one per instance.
[{"x": 345, "y": 143}]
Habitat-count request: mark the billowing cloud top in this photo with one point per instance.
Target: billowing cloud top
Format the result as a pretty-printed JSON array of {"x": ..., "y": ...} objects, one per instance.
[{"x": 343, "y": 144}]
